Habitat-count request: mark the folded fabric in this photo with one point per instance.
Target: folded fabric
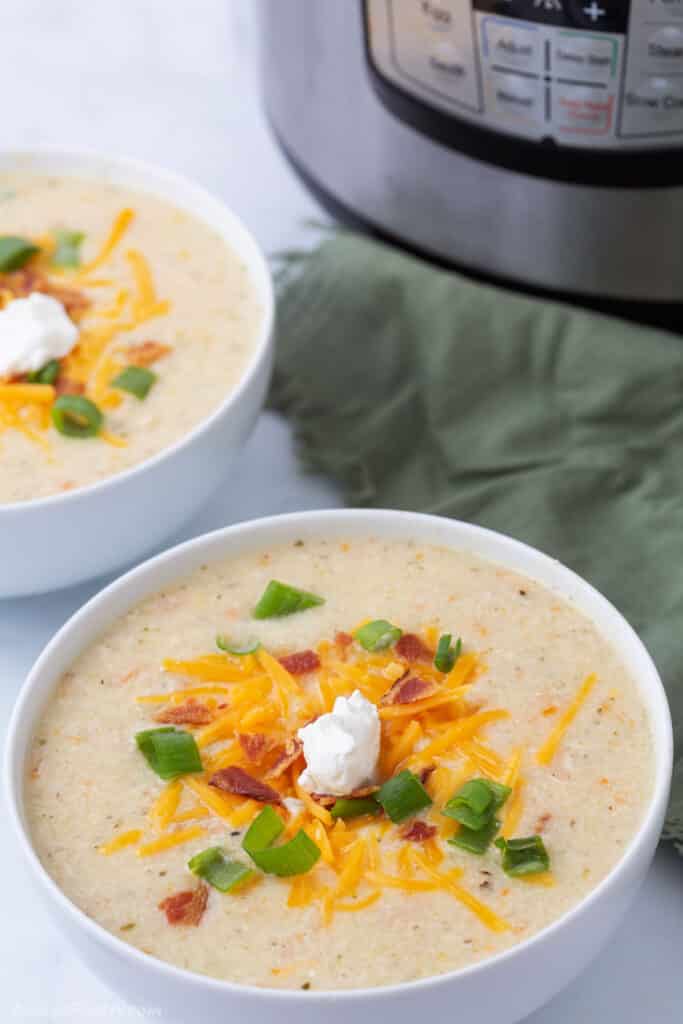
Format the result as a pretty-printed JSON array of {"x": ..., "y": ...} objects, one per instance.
[{"x": 416, "y": 388}]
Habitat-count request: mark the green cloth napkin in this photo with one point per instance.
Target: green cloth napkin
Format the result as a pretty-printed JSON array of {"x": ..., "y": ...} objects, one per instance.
[{"x": 415, "y": 388}]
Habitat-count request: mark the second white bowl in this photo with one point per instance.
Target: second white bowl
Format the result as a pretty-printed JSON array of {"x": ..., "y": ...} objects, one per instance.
[{"x": 66, "y": 538}]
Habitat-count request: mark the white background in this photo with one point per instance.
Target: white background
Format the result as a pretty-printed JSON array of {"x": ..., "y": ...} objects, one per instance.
[{"x": 174, "y": 81}]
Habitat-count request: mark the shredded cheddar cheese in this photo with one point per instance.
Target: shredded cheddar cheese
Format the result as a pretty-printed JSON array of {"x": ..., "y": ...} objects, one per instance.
[
  {"x": 547, "y": 751},
  {"x": 359, "y": 857},
  {"x": 118, "y": 229},
  {"x": 449, "y": 884},
  {"x": 121, "y": 841},
  {"x": 113, "y": 439},
  {"x": 210, "y": 669},
  {"x": 544, "y": 879},
  {"x": 191, "y": 814},
  {"x": 165, "y": 806},
  {"x": 514, "y": 805},
  {"x": 93, "y": 362},
  {"x": 170, "y": 840},
  {"x": 460, "y": 730},
  {"x": 313, "y": 808},
  {"x": 360, "y": 904},
  {"x": 221, "y": 804},
  {"x": 415, "y": 708},
  {"x": 27, "y": 393},
  {"x": 146, "y": 304}
]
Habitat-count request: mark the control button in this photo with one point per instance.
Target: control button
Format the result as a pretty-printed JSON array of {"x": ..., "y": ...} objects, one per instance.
[
  {"x": 436, "y": 15},
  {"x": 582, "y": 110},
  {"x": 666, "y": 45},
  {"x": 509, "y": 45},
  {"x": 515, "y": 96},
  {"x": 434, "y": 51},
  {"x": 600, "y": 15},
  {"x": 653, "y": 107},
  {"x": 588, "y": 58},
  {"x": 445, "y": 60}
]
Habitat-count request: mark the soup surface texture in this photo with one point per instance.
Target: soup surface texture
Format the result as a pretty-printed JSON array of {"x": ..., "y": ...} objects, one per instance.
[
  {"x": 536, "y": 701},
  {"x": 153, "y": 288}
]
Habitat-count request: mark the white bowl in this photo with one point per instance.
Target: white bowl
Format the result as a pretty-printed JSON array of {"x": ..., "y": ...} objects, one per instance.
[
  {"x": 500, "y": 990},
  {"x": 65, "y": 538}
]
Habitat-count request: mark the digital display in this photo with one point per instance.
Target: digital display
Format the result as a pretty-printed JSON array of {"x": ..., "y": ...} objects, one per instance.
[{"x": 597, "y": 15}]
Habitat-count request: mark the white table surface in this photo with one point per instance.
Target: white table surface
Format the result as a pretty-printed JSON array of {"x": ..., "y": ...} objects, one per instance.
[{"x": 174, "y": 81}]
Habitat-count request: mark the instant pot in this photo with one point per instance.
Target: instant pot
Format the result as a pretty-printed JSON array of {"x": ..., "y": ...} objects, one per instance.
[{"x": 537, "y": 142}]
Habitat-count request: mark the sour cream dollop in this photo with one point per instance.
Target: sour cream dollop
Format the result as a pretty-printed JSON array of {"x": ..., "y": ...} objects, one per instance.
[
  {"x": 341, "y": 748},
  {"x": 32, "y": 332}
]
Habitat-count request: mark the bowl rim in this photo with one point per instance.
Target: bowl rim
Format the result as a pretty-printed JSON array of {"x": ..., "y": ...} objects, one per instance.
[
  {"x": 260, "y": 276},
  {"x": 657, "y": 707}
]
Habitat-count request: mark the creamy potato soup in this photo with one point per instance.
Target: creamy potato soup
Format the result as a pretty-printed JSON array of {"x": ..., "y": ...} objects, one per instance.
[
  {"x": 339, "y": 765},
  {"x": 124, "y": 322}
]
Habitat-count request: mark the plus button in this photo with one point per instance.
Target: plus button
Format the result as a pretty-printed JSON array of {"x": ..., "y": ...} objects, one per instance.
[{"x": 594, "y": 11}]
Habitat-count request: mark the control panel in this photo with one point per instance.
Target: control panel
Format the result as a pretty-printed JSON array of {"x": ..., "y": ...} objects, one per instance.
[{"x": 593, "y": 73}]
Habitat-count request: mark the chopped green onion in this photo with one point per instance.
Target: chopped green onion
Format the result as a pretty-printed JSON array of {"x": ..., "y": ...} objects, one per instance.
[
  {"x": 446, "y": 654},
  {"x": 523, "y": 856},
  {"x": 263, "y": 831},
  {"x": 218, "y": 870},
  {"x": 403, "y": 796},
  {"x": 76, "y": 416},
  {"x": 475, "y": 803},
  {"x": 170, "y": 752},
  {"x": 293, "y": 858},
  {"x": 475, "y": 840},
  {"x": 239, "y": 650},
  {"x": 46, "y": 374},
  {"x": 15, "y": 252},
  {"x": 280, "y": 599},
  {"x": 354, "y": 807},
  {"x": 68, "y": 249},
  {"x": 377, "y": 635},
  {"x": 136, "y": 380}
]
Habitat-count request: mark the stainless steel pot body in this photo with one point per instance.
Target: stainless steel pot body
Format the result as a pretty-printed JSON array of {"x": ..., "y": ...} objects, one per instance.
[{"x": 597, "y": 214}]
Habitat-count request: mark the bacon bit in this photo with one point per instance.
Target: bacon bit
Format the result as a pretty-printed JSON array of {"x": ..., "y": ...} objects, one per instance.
[
  {"x": 327, "y": 800},
  {"x": 412, "y": 648},
  {"x": 68, "y": 386},
  {"x": 408, "y": 689},
  {"x": 192, "y": 712},
  {"x": 74, "y": 302},
  {"x": 291, "y": 752},
  {"x": 419, "y": 832},
  {"x": 236, "y": 780},
  {"x": 22, "y": 283},
  {"x": 362, "y": 792},
  {"x": 324, "y": 799},
  {"x": 186, "y": 907},
  {"x": 342, "y": 642},
  {"x": 301, "y": 662},
  {"x": 255, "y": 745},
  {"x": 146, "y": 352},
  {"x": 426, "y": 774},
  {"x": 542, "y": 822}
]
